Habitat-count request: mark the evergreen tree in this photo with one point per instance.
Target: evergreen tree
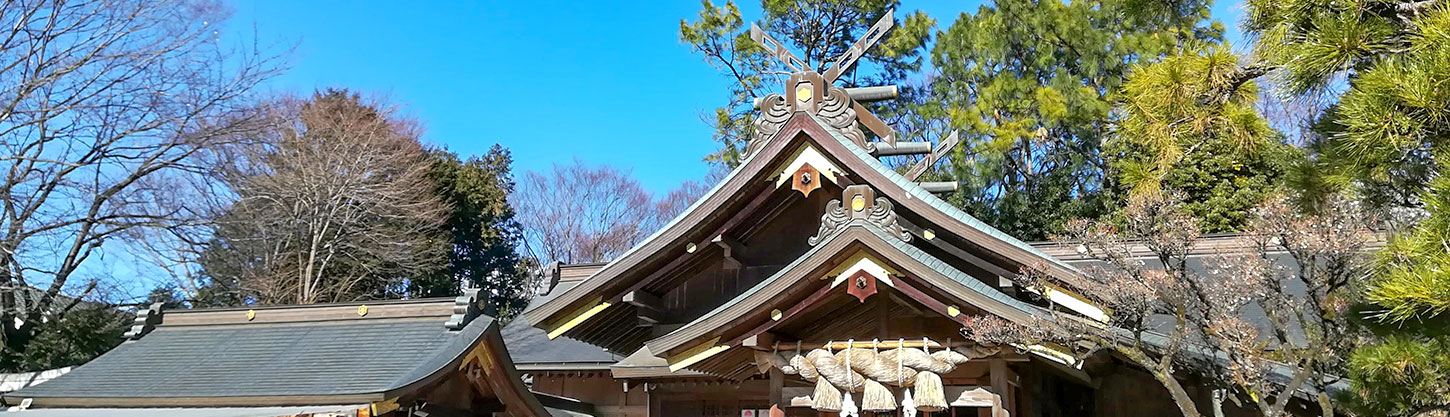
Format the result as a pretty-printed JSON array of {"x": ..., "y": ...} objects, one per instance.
[
  {"x": 1190, "y": 124},
  {"x": 1031, "y": 85},
  {"x": 1388, "y": 131},
  {"x": 482, "y": 231}
]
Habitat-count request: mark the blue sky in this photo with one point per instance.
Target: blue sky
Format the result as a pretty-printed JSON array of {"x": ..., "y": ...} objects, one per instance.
[{"x": 607, "y": 82}]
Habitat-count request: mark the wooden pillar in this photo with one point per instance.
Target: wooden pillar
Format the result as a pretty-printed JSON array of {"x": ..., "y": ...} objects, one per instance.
[
  {"x": 653, "y": 398},
  {"x": 997, "y": 368},
  {"x": 777, "y": 387},
  {"x": 1030, "y": 390}
]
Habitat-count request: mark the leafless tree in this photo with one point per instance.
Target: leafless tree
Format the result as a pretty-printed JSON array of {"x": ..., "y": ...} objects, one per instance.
[
  {"x": 338, "y": 206},
  {"x": 677, "y": 200},
  {"x": 1175, "y": 321},
  {"x": 579, "y": 213},
  {"x": 99, "y": 99}
]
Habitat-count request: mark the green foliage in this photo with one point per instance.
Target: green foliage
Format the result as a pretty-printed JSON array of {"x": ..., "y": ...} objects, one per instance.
[
  {"x": 1403, "y": 375},
  {"x": 1385, "y": 139},
  {"x": 818, "y": 31},
  {"x": 1030, "y": 84},
  {"x": 1189, "y": 124},
  {"x": 482, "y": 231},
  {"x": 1316, "y": 41},
  {"x": 1415, "y": 284},
  {"x": 1400, "y": 106},
  {"x": 85, "y": 332},
  {"x": 1221, "y": 184}
]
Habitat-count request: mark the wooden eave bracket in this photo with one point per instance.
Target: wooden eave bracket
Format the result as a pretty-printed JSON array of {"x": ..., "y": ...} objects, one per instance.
[
  {"x": 731, "y": 249},
  {"x": 648, "y": 307}
]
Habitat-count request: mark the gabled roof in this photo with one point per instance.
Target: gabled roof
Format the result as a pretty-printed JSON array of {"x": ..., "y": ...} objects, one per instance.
[
  {"x": 352, "y": 353},
  {"x": 672, "y": 234},
  {"x": 913, "y": 198},
  {"x": 686, "y": 228},
  {"x": 749, "y": 306}
]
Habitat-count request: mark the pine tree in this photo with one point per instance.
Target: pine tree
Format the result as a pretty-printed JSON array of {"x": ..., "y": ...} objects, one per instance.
[
  {"x": 1031, "y": 85},
  {"x": 1388, "y": 130},
  {"x": 1190, "y": 125}
]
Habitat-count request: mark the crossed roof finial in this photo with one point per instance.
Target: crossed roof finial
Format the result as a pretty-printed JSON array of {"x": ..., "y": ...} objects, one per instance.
[
  {"x": 841, "y": 64},
  {"x": 815, "y": 93}
]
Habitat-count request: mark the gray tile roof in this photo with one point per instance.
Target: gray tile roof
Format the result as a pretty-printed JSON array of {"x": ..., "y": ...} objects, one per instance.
[
  {"x": 188, "y": 412},
  {"x": 322, "y": 358},
  {"x": 530, "y": 346}
]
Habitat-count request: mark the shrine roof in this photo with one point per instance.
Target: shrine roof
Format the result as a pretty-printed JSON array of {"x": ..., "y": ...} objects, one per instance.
[
  {"x": 964, "y": 285},
  {"x": 910, "y": 195},
  {"x": 297, "y": 355},
  {"x": 916, "y": 191}
]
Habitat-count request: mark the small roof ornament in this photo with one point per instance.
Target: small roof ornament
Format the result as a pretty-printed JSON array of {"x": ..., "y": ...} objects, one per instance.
[
  {"x": 146, "y": 321},
  {"x": 465, "y": 309}
]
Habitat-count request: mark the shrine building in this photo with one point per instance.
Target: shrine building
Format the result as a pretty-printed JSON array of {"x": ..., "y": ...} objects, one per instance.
[{"x": 814, "y": 279}]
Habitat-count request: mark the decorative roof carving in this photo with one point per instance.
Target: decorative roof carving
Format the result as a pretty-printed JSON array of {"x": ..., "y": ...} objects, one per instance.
[
  {"x": 465, "y": 309},
  {"x": 146, "y": 321},
  {"x": 833, "y": 221},
  {"x": 863, "y": 206},
  {"x": 774, "y": 111},
  {"x": 811, "y": 92}
]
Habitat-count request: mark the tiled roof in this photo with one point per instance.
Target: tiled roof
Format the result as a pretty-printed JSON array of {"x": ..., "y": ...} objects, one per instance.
[
  {"x": 971, "y": 284},
  {"x": 315, "y": 358}
]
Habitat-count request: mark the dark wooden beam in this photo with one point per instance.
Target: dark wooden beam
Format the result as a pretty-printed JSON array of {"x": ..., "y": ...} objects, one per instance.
[
  {"x": 648, "y": 307},
  {"x": 731, "y": 249},
  {"x": 795, "y": 309},
  {"x": 642, "y": 299},
  {"x": 902, "y": 284},
  {"x": 740, "y": 216}
]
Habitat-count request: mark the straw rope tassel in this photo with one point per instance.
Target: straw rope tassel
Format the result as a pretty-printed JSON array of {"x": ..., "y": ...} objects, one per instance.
[
  {"x": 848, "y": 405},
  {"x": 908, "y": 406},
  {"x": 875, "y": 397},
  {"x": 826, "y": 397},
  {"x": 930, "y": 393}
]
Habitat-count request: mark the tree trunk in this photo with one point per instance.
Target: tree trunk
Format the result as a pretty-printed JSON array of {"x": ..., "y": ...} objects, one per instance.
[{"x": 1180, "y": 396}]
